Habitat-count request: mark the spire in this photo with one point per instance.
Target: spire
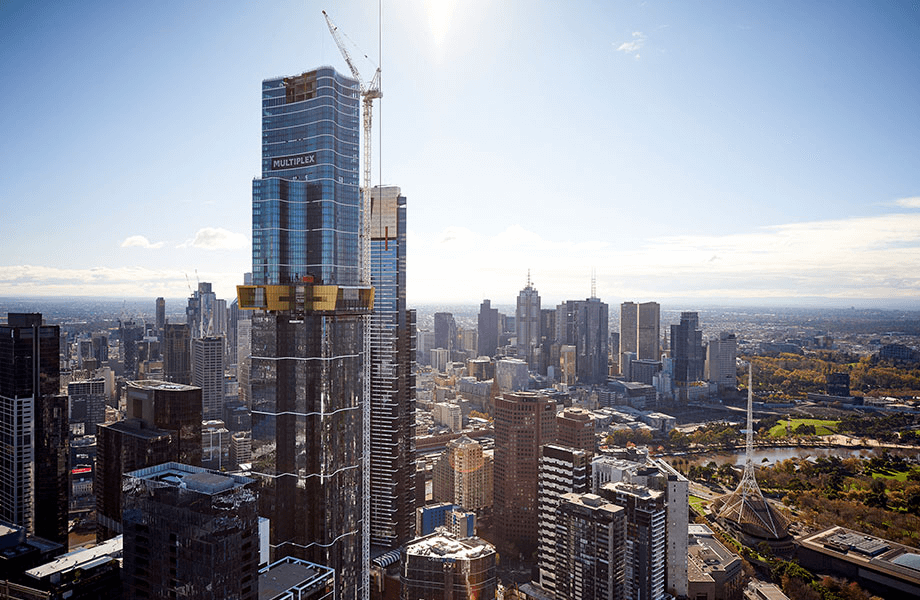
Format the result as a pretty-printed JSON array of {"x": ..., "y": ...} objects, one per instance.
[
  {"x": 528, "y": 279},
  {"x": 594, "y": 283}
]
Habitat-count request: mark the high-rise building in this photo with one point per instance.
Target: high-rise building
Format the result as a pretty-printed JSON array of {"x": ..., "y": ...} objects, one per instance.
[
  {"x": 629, "y": 328},
  {"x": 190, "y": 533},
  {"x": 488, "y": 329},
  {"x": 101, "y": 348},
  {"x": 463, "y": 475},
  {"x": 34, "y": 458},
  {"x": 87, "y": 404},
  {"x": 575, "y": 428},
  {"x": 130, "y": 333},
  {"x": 162, "y": 424},
  {"x": 160, "y": 316},
  {"x": 527, "y": 322},
  {"x": 591, "y": 334},
  {"x": 687, "y": 352},
  {"x": 445, "y": 332},
  {"x": 392, "y": 376},
  {"x": 307, "y": 355},
  {"x": 590, "y": 536},
  {"x": 721, "y": 353},
  {"x": 177, "y": 360},
  {"x": 208, "y": 374},
  {"x": 121, "y": 447},
  {"x": 655, "y": 476},
  {"x": 644, "y": 573},
  {"x": 524, "y": 421},
  {"x": 170, "y": 406},
  {"x": 563, "y": 470},
  {"x": 442, "y": 566},
  {"x": 648, "y": 346}
]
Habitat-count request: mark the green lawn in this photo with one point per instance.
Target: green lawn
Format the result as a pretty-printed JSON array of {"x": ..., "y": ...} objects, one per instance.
[
  {"x": 698, "y": 504},
  {"x": 822, "y": 427},
  {"x": 896, "y": 475}
]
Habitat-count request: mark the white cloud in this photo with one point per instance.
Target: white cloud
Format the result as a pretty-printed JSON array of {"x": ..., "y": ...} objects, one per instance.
[
  {"x": 632, "y": 47},
  {"x": 216, "y": 238},
  {"x": 38, "y": 280},
  {"x": 865, "y": 257},
  {"x": 139, "y": 241},
  {"x": 913, "y": 202}
]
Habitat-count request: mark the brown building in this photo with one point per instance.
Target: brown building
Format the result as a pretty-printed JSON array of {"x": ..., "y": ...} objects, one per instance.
[
  {"x": 575, "y": 429},
  {"x": 524, "y": 421},
  {"x": 463, "y": 475}
]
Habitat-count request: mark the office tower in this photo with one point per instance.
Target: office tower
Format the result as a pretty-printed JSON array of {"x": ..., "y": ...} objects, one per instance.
[
  {"x": 524, "y": 421},
  {"x": 445, "y": 332},
  {"x": 208, "y": 374},
  {"x": 170, "y": 406},
  {"x": 121, "y": 447},
  {"x": 629, "y": 328},
  {"x": 648, "y": 346},
  {"x": 563, "y": 470},
  {"x": 590, "y": 535},
  {"x": 463, "y": 475},
  {"x": 162, "y": 424},
  {"x": 35, "y": 454},
  {"x": 721, "y": 353},
  {"x": 687, "y": 350},
  {"x": 444, "y": 514},
  {"x": 591, "y": 333},
  {"x": 488, "y": 329},
  {"x": 160, "y": 316},
  {"x": 442, "y": 566},
  {"x": 575, "y": 428},
  {"x": 202, "y": 312},
  {"x": 547, "y": 341},
  {"x": 130, "y": 333},
  {"x": 101, "y": 348},
  {"x": 392, "y": 376},
  {"x": 511, "y": 375},
  {"x": 87, "y": 404},
  {"x": 567, "y": 364},
  {"x": 527, "y": 322},
  {"x": 634, "y": 466},
  {"x": 177, "y": 360},
  {"x": 215, "y": 444},
  {"x": 307, "y": 355},
  {"x": 191, "y": 533}
]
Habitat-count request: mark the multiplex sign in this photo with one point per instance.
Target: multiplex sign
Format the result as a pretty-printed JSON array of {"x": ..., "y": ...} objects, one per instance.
[{"x": 294, "y": 161}]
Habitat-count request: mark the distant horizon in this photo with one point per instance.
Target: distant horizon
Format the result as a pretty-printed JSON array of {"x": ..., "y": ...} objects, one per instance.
[{"x": 810, "y": 302}]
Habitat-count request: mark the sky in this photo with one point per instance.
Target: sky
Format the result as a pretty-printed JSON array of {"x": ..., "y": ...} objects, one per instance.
[{"x": 699, "y": 151}]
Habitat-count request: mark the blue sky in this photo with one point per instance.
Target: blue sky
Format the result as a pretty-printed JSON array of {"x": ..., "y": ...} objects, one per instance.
[{"x": 717, "y": 151}]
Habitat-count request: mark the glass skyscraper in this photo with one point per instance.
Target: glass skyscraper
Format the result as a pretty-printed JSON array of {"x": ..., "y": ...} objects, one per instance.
[
  {"x": 392, "y": 331},
  {"x": 307, "y": 356}
]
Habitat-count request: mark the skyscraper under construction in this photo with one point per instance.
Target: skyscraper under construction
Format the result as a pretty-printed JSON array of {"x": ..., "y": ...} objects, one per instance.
[{"x": 307, "y": 324}]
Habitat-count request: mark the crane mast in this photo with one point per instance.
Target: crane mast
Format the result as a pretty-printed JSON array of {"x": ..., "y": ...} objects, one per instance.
[{"x": 369, "y": 93}]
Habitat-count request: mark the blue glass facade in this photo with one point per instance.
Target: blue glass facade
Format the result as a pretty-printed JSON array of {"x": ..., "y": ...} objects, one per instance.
[
  {"x": 306, "y": 206},
  {"x": 306, "y": 363}
]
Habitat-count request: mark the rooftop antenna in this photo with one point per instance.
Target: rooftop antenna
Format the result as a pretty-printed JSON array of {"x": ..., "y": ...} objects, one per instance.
[
  {"x": 594, "y": 283},
  {"x": 528, "y": 278}
]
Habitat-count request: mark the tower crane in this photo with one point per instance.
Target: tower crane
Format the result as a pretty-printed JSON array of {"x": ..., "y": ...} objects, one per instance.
[{"x": 369, "y": 92}]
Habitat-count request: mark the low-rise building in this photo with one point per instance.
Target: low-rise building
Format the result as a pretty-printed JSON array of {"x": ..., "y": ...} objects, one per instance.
[{"x": 713, "y": 571}]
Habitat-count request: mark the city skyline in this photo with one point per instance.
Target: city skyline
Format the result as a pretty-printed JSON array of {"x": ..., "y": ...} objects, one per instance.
[{"x": 698, "y": 151}]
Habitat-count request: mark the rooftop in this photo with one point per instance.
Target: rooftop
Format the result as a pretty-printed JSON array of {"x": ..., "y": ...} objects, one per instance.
[
  {"x": 450, "y": 547},
  {"x": 190, "y": 477},
  {"x": 78, "y": 559},
  {"x": 282, "y": 575}
]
